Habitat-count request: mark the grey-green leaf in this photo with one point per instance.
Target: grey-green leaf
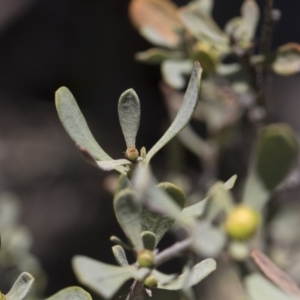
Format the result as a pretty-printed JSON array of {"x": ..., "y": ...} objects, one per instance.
[
  {"x": 128, "y": 212},
  {"x": 185, "y": 112},
  {"x": 76, "y": 126},
  {"x": 129, "y": 115},
  {"x": 159, "y": 223},
  {"x": 149, "y": 240},
  {"x": 102, "y": 278},
  {"x": 21, "y": 287},
  {"x": 71, "y": 293},
  {"x": 120, "y": 255},
  {"x": 259, "y": 288},
  {"x": 123, "y": 183},
  {"x": 199, "y": 272},
  {"x": 274, "y": 155},
  {"x": 108, "y": 165}
]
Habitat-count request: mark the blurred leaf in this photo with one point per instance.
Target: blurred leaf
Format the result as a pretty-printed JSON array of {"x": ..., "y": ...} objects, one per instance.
[
  {"x": 9, "y": 211},
  {"x": 163, "y": 278},
  {"x": 228, "y": 69},
  {"x": 277, "y": 276},
  {"x": 274, "y": 155},
  {"x": 157, "y": 55},
  {"x": 119, "y": 242},
  {"x": 76, "y": 126},
  {"x": 287, "y": 60},
  {"x": 128, "y": 211},
  {"x": 120, "y": 255},
  {"x": 102, "y": 278},
  {"x": 159, "y": 223},
  {"x": 208, "y": 239},
  {"x": 203, "y": 27},
  {"x": 260, "y": 288},
  {"x": 108, "y": 165},
  {"x": 129, "y": 115},
  {"x": 173, "y": 72},
  {"x": 185, "y": 112},
  {"x": 199, "y": 272},
  {"x": 123, "y": 183},
  {"x": 149, "y": 240},
  {"x": 21, "y": 287},
  {"x": 206, "y": 6},
  {"x": 157, "y": 21},
  {"x": 71, "y": 293}
]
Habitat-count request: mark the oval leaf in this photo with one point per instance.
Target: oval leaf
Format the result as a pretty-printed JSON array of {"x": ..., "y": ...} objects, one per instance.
[
  {"x": 149, "y": 240},
  {"x": 120, "y": 255},
  {"x": 76, "y": 126},
  {"x": 274, "y": 155},
  {"x": 189, "y": 103},
  {"x": 129, "y": 115},
  {"x": 128, "y": 211}
]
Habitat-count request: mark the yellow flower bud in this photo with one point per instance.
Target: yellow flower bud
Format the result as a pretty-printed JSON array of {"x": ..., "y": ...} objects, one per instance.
[
  {"x": 146, "y": 258},
  {"x": 150, "y": 282},
  {"x": 242, "y": 222},
  {"x": 132, "y": 153}
]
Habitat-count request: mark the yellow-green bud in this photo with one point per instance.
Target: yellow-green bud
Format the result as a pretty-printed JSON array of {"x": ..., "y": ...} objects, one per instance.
[
  {"x": 146, "y": 258},
  {"x": 242, "y": 222},
  {"x": 132, "y": 153},
  {"x": 150, "y": 282}
]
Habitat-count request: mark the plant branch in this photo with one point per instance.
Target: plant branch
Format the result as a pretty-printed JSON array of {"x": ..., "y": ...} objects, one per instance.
[
  {"x": 136, "y": 291},
  {"x": 174, "y": 251}
]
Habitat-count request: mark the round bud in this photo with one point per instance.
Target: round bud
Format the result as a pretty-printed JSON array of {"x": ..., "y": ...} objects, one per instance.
[
  {"x": 242, "y": 222},
  {"x": 132, "y": 153},
  {"x": 145, "y": 258},
  {"x": 150, "y": 282}
]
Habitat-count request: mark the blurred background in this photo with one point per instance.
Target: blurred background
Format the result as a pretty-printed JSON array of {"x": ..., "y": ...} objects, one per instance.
[{"x": 88, "y": 46}]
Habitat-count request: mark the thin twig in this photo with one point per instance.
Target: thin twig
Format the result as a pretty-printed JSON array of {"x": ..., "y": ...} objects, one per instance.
[{"x": 174, "y": 251}]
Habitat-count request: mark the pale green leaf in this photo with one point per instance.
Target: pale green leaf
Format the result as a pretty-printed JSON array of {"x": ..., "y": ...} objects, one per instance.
[
  {"x": 208, "y": 240},
  {"x": 102, "y": 278},
  {"x": 185, "y": 112},
  {"x": 203, "y": 27},
  {"x": 119, "y": 242},
  {"x": 198, "y": 273},
  {"x": 206, "y": 6},
  {"x": 71, "y": 293},
  {"x": 259, "y": 288},
  {"x": 174, "y": 71},
  {"x": 120, "y": 255},
  {"x": 250, "y": 13},
  {"x": 287, "y": 60},
  {"x": 21, "y": 287},
  {"x": 129, "y": 115},
  {"x": 149, "y": 240},
  {"x": 128, "y": 212},
  {"x": 274, "y": 155},
  {"x": 108, "y": 165},
  {"x": 163, "y": 278},
  {"x": 76, "y": 126},
  {"x": 123, "y": 183},
  {"x": 159, "y": 223},
  {"x": 157, "y": 55}
]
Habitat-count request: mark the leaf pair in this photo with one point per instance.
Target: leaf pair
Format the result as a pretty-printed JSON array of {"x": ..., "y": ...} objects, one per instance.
[{"x": 129, "y": 115}]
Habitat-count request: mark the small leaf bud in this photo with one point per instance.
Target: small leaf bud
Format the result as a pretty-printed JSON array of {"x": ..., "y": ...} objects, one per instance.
[
  {"x": 150, "y": 282},
  {"x": 132, "y": 153},
  {"x": 242, "y": 222},
  {"x": 145, "y": 258}
]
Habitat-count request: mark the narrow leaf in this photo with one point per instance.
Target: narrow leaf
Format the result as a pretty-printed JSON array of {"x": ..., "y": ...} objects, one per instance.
[
  {"x": 71, "y": 293},
  {"x": 198, "y": 273},
  {"x": 277, "y": 276},
  {"x": 21, "y": 287},
  {"x": 157, "y": 55},
  {"x": 102, "y": 278},
  {"x": 120, "y": 255},
  {"x": 129, "y": 115},
  {"x": 128, "y": 211},
  {"x": 163, "y": 278},
  {"x": 149, "y": 240},
  {"x": 274, "y": 155},
  {"x": 185, "y": 112},
  {"x": 76, "y": 126},
  {"x": 108, "y": 165}
]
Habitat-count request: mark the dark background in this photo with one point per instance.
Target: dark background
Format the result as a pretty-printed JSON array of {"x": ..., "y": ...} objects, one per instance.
[{"x": 88, "y": 46}]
